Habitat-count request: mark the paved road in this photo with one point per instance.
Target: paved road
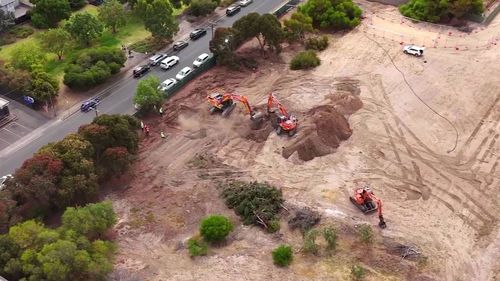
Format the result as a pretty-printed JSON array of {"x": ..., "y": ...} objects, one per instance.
[{"x": 118, "y": 98}]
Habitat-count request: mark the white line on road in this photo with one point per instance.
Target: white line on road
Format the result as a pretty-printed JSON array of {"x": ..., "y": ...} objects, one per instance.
[{"x": 12, "y": 133}]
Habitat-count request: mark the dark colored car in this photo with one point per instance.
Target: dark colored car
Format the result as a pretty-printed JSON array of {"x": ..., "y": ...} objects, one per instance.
[
  {"x": 141, "y": 70},
  {"x": 179, "y": 45},
  {"x": 197, "y": 33},
  {"x": 231, "y": 10},
  {"x": 89, "y": 104}
]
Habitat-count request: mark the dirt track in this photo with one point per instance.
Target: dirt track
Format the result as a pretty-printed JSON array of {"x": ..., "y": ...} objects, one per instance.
[{"x": 438, "y": 190}]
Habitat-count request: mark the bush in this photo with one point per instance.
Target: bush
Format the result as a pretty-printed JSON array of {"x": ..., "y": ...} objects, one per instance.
[
  {"x": 305, "y": 60},
  {"x": 330, "y": 236},
  {"x": 283, "y": 255},
  {"x": 309, "y": 241},
  {"x": 256, "y": 203},
  {"x": 215, "y": 228},
  {"x": 147, "y": 45},
  {"x": 197, "y": 247},
  {"x": 336, "y": 14},
  {"x": 365, "y": 233},
  {"x": 435, "y": 11},
  {"x": 273, "y": 226},
  {"x": 201, "y": 8},
  {"x": 358, "y": 272},
  {"x": 317, "y": 43},
  {"x": 21, "y": 31}
]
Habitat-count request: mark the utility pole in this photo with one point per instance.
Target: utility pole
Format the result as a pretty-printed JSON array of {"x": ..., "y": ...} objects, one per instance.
[{"x": 212, "y": 24}]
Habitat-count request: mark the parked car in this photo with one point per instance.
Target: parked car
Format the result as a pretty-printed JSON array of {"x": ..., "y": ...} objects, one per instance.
[
  {"x": 197, "y": 33},
  {"x": 156, "y": 59},
  {"x": 167, "y": 84},
  {"x": 169, "y": 62},
  {"x": 89, "y": 104},
  {"x": 183, "y": 73},
  {"x": 413, "y": 50},
  {"x": 179, "y": 45},
  {"x": 141, "y": 70},
  {"x": 244, "y": 3},
  {"x": 233, "y": 9},
  {"x": 201, "y": 60},
  {"x": 3, "y": 180}
]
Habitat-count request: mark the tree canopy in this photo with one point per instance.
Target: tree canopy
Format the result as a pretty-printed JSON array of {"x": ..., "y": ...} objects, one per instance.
[
  {"x": 57, "y": 41},
  {"x": 147, "y": 94},
  {"x": 42, "y": 87},
  {"x": 6, "y": 20},
  {"x": 112, "y": 14},
  {"x": 297, "y": 26},
  {"x": 435, "y": 11},
  {"x": 201, "y": 8},
  {"x": 266, "y": 28},
  {"x": 26, "y": 56},
  {"x": 335, "y": 14},
  {"x": 48, "y": 13},
  {"x": 158, "y": 18},
  {"x": 84, "y": 27}
]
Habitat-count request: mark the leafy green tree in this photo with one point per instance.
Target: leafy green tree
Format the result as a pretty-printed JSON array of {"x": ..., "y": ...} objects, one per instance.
[
  {"x": 271, "y": 31},
  {"x": 223, "y": 45},
  {"x": 99, "y": 136},
  {"x": 147, "y": 94},
  {"x": 6, "y": 20},
  {"x": 92, "y": 220},
  {"x": 435, "y": 10},
  {"x": 85, "y": 27},
  {"x": 25, "y": 234},
  {"x": 115, "y": 161},
  {"x": 158, "y": 18},
  {"x": 14, "y": 78},
  {"x": 336, "y": 14},
  {"x": 48, "y": 13},
  {"x": 57, "y": 41},
  {"x": 266, "y": 28},
  {"x": 297, "y": 26},
  {"x": 42, "y": 86},
  {"x": 112, "y": 14},
  {"x": 248, "y": 27},
  {"x": 215, "y": 228},
  {"x": 201, "y": 8},
  {"x": 9, "y": 251},
  {"x": 122, "y": 130},
  {"x": 26, "y": 56}
]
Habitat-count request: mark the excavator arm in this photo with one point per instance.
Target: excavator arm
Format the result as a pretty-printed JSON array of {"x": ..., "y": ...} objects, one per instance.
[
  {"x": 377, "y": 201},
  {"x": 244, "y": 101}
]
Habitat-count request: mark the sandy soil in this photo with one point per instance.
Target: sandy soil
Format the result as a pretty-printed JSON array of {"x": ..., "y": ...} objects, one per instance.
[{"x": 431, "y": 154}]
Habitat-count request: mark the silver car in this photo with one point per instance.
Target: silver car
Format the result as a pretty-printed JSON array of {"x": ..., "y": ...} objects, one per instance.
[
  {"x": 167, "y": 84},
  {"x": 244, "y": 3},
  {"x": 183, "y": 73}
]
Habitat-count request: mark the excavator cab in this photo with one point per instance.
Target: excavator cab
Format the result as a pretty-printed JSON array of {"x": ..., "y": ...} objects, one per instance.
[
  {"x": 367, "y": 202},
  {"x": 284, "y": 122},
  {"x": 221, "y": 102}
]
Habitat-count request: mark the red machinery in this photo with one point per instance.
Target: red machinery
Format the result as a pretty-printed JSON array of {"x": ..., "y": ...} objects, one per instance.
[
  {"x": 224, "y": 103},
  {"x": 367, "y": 202},
  {"x": 285, "y": 122}
]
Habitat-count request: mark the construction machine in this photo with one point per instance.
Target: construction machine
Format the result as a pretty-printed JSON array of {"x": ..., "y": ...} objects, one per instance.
[
  {"x": 223, "y": 102},
  {"x": 284, "y": 122},
  {"x": 367, "y": 202}
]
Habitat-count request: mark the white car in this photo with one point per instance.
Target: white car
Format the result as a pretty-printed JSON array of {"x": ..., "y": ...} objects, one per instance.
[
  {"x": 169, "y": 62},
  {"x": 3, "y": 180},
  {"x": 413, "y": 50},
  {"x": 244, "y": 3},
  {"x": 167, "y": 84},
  {"x": 201, "y": 60},
  {"x": 156, "y": 59},
  {"x": 183, "y": 73}
]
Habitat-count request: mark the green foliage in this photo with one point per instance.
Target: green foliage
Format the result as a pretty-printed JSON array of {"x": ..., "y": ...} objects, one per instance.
[
  {"x": 309, "y": 240},
  {"x": 265, "y": 28},
  {"x": 365, "y": 233},
  {"x": 57, "y": 41},
  {"x": 93, "y": 67},
  {"x": 330, "y": 236},
  {"x": 27, "y": 55},
  {"x": 48, "y": 13},
  {"x": 84, "y": 27},
  {"x": 147, "y": 45},
  {"x": 148, "y": 95},
  {"x": 222, "y": 50},
  {"x": 6, "y": 20},
  {"x": 25, "y": 235},
  {"x": 14, "y": 78},
  {"x": 21, "y": 31},
  {"x": 201, "y": 8},
  {"x": 273, "y": 226},
  {"x": 317, "y": 43},
  {"x": 115, "y": 161},
  {"x": 439, "y": 10},
  {"x": 112, "y": 14},
  {"x": 77, "y": 4},
  {"x": 158, "y": 18},
  {"x": 197, "y": 247},
  {"x": 90, "y": 221},
  {"x": 336, "y": 14},
  {"x": 215, "y": 228},
  {"x": 283, "y": 255},
  {"x": 42, "y": 87},
  {"x": 297, "y": 26},
  {"x": 122, "y": 131},
  {"x": 271, "y": 32},
  {"x": 305, "y": 60},
  {"x": 358, "y": 272},
  {"x": 256, "y": 203}
]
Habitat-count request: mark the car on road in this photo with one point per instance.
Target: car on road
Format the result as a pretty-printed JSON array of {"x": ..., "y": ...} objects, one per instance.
[
  {"x": 141, "y": 70},
  {"x": 413, "y": 50},
  {"x": 183, "y": 73},
  {"x": 244, "y": 3},
  {"x": 3, "y": 180},
  {"x": 179, "y": 45},
  {"x": 156, "y": 59},
  {"x": 90, "y": 104},
  {"x": 167, "y": 84},
  {"x": 201, "y": 60},
  {"x": 233, "y": 9},
  {"x": 197, "y": 33},
  {"x": 169, "y": 62}
]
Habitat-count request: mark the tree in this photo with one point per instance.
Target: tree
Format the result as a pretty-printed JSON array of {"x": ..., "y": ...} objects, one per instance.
[
  {"x": 223, "y": 45},
  {"x": 215, "y": 228},
  {"x": 14, "y": 78},
  {"x": 435, "y": 11},
  {"x": 115, "y": 161},
  {"x": 99, "y": 136},
  {"x": 85, "y": 27},
  {"x": 336, "y": 14},
  {"x": 56, "y": 41},
  {"x": 270, "y": 28},
  {"x": 42, "y": 86},
  {"x": 177, "y": 4},
  {"x": 266, "y": 28},
  {"x": 112, "y": 14},
  {"x": 47, "y": 13},
  {"x": 147, "y": 94},
  {"x": 6, "y": 20},
  {"x": 247, "y": 27},
  {"x": 26, "y": 56},
  {"x": 297, "y": 26},
  {"x": 201, "y": 8},
  {"x": 158, "y": 18},
  {"x": 25, "y": 235},
  {"x": 92, "y": 221},
  {"x": 122, "y": 130},
  {"x": 77, "y": 4}
]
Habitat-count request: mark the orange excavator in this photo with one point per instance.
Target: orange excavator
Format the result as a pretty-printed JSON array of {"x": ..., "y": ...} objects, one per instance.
[
  {"x": 285, "y": 122},
  {"x": 223, "y": 102},
  {"x": 367, "y": 202}
]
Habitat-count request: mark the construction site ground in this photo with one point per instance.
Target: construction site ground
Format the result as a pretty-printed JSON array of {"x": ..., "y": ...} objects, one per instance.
[{"x": 422, "y": 132}]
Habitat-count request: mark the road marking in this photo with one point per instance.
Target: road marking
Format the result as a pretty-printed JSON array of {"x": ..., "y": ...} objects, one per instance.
[
  {"x": 28, "y": 128},
  {"x": 5, "y": 141},
  {"x": 12, "y": 133}
]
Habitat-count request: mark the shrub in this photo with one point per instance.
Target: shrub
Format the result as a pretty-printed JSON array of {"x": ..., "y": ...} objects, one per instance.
[
  {"x": 309, "y": 241},
  {"x": 283, "y": 255},
  {"x": 336, "y": 14},
  {"x": 197, "y": 247},
  {"x": 330, "y": 236},
  {"x": 358, "y": 272},
  {"x": 304, "y": 60},
  {"x": 273, "y": 226},
  {"x": 365, "y": 233},
  {"x": 435, "y": 11},
  {"x": 317, "y": 43},
  {"x": 256, "y": 203},
  {"x": 21, "y": 31},
  {"x": 304, "y": 219},
  {"x": 215, "y": 228},
  {"x": 200, "y": 8},
  {"x": 147, "y": 45}
]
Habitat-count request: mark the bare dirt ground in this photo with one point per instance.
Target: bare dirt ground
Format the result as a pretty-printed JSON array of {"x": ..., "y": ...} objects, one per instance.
[{"x": 431, "y": 154}]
